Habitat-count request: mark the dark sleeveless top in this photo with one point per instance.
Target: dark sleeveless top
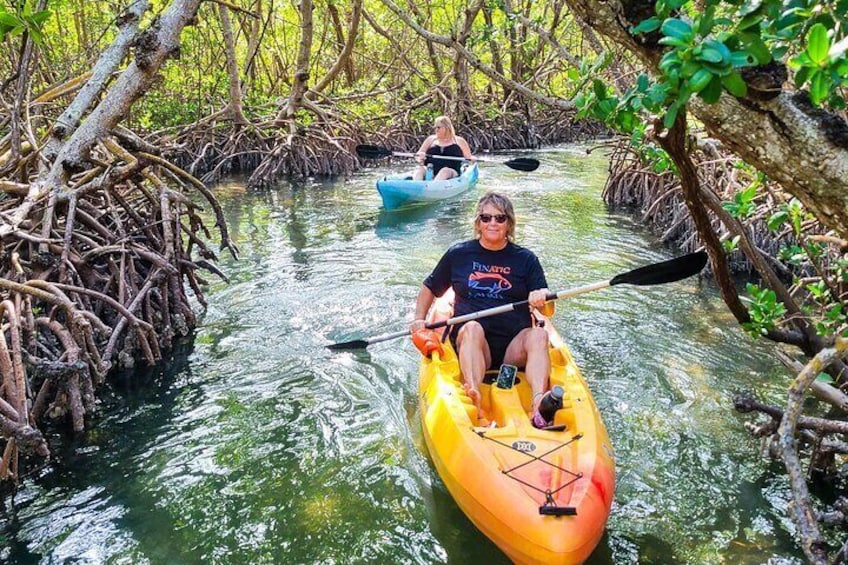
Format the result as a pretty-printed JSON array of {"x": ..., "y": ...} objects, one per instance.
[{"x": 452, "y": 150}]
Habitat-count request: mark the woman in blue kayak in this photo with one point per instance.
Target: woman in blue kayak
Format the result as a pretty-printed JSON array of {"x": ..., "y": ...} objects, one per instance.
[
  {"x": 443, "y": 142},
  {"x": 488, "y": 271}
]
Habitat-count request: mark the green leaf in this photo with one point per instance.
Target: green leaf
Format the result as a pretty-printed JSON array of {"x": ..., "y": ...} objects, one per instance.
[
  {"x": 758, "y": 48},
  {"x": 674, "y": 42},
  {"x": 818, "y": 44},
  {"x": 707, "y": 21},
  {"x": 735, "y": 84},
  {"x": 646, "y": 26},
  {"x": 801, "y": 60},
  {"x": 720, "y": 47},
  {"x": 712, "y": 92},
  {"x": 689, "y": 68},
  {"x": 749, "y": 21},
  {"x": 824, "y": 378},
  {"x": 819, "y": 87},
  {"x": 700, "y": 80},
  {"x": 777, "y": 219},
  {"x": 600, "y": 89},
  {"x": 802, "y": 75},
  {"x": 710, "y": 55},
  {"x": 39, "y": 18},
  {"x": 9, "y": 20},
  {"x": 669, "y": 61},
  {"x": 36, "y": 35},
  {"x": 739, "y": 59},
  {"x": 672, "y": 27},
  {"x": 671, "y": 115}
]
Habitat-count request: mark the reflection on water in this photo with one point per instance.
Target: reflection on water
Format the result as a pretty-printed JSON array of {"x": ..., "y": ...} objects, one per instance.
[{"x": 259, "y": 445}]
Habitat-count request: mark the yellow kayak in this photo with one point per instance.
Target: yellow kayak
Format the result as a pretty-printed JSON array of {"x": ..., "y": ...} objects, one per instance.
[{"x": 542, "y": 496}]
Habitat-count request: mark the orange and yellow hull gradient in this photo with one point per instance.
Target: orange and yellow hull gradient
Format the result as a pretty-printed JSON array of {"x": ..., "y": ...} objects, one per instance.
[{"x": 542, "y": 496}]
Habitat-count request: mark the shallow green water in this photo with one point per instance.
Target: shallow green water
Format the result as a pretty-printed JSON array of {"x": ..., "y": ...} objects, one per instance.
[{"x": 258, "y": 445}]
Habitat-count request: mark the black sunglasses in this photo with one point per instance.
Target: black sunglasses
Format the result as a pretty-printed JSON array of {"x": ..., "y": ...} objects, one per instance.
[{"x": 486, "y": 218}]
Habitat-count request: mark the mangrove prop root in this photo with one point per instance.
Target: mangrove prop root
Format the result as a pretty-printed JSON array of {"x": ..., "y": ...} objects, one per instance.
[{"x": 93, "y": 278}]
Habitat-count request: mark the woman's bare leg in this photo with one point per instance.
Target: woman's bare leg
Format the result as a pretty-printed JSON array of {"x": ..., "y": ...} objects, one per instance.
[
  {"x": 530, "y": 348},
  {"x": 474, "y": 357},
  {"x": 446, "y": 173},
  {"x": 419, "y": 172}
]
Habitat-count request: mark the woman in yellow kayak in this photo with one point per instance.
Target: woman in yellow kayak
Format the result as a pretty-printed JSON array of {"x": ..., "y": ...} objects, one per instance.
[
  {"x": 488, "y": 271},
  {"x": 444, "y": 141}
]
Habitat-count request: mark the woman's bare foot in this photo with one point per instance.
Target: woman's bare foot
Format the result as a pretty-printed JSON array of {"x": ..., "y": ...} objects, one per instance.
[
  {"x": 473, "y": 394},
  {"x": 534, "y": 403}
]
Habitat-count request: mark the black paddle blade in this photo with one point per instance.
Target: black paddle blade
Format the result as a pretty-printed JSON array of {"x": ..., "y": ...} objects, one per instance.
[
  {"x": 372, "y": 151},
  {"x": 665, "y": 272},
  {"x": 345, "y": 345},
  {"x": 523, "y": 164}
]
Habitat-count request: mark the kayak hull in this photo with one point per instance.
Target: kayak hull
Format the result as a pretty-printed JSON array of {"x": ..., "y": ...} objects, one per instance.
[
  {"x": 542, "y": 496},
  {"x": 397, "y": 191}
]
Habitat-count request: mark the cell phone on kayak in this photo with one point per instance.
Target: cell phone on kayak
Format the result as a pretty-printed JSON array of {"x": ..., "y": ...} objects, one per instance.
[{"x": 506, "y": 376}]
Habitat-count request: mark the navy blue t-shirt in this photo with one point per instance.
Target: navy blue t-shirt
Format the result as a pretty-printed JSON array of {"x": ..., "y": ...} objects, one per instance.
[{"x": 484, "y": 279}]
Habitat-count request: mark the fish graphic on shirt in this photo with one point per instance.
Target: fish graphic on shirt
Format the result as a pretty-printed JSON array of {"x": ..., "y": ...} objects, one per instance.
[{"x": 491, "y": 285}]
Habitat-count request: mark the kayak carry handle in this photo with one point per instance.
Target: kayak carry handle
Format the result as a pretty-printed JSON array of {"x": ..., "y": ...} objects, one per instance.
[{"x": 546, "y": 510}]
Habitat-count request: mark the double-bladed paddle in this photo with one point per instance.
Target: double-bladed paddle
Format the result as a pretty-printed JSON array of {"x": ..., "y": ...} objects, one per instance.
[
  {"x": 377, "y": 152},
  {"x": 657, "y": 273}
]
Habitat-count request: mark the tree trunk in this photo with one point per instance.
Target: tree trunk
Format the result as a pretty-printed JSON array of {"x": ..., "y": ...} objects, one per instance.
[
  {"x": 494, "y": 48},
  {"x": 301, "y": 76},
  {"x": 257, "y": 30},
  {"x": 344, "y": 61},
  {"x": 106, "y": 65},
  {"x": 154, "y": 46},
  {"x": 341, "y": 43},
  {"x": 235, "y": 106},
  {"x": 438, "y": 73},
  {"x": 461, "y": 103}
]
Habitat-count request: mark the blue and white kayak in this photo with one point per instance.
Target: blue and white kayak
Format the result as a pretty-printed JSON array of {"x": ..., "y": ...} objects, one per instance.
[{"x": 397, "y": 190}]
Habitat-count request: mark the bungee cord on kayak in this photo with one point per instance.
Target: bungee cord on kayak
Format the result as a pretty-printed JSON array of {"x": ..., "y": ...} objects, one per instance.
[{"x": 550, "y": 507}]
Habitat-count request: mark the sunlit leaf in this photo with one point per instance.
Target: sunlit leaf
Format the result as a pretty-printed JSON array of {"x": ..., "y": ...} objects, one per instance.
[
  {"x": 819, "y": 87},
  {"x": 818, "y": 44}
]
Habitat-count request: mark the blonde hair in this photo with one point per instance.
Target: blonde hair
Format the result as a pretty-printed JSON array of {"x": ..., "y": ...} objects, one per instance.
[
  {"x": 445, "y": 122},
  {"x": 504, "y": 206}
]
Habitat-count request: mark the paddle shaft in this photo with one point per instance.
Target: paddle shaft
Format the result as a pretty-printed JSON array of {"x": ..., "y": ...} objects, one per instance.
[
  {"x": 448, "y": 157},
  {"x": 492, "y": 311},
  {"x": 658, "y": 273},
  {"x": 378, "y": 152}
]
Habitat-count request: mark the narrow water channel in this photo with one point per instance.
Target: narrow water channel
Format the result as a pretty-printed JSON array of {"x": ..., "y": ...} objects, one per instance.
[{"x": 259, "y": 445}]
